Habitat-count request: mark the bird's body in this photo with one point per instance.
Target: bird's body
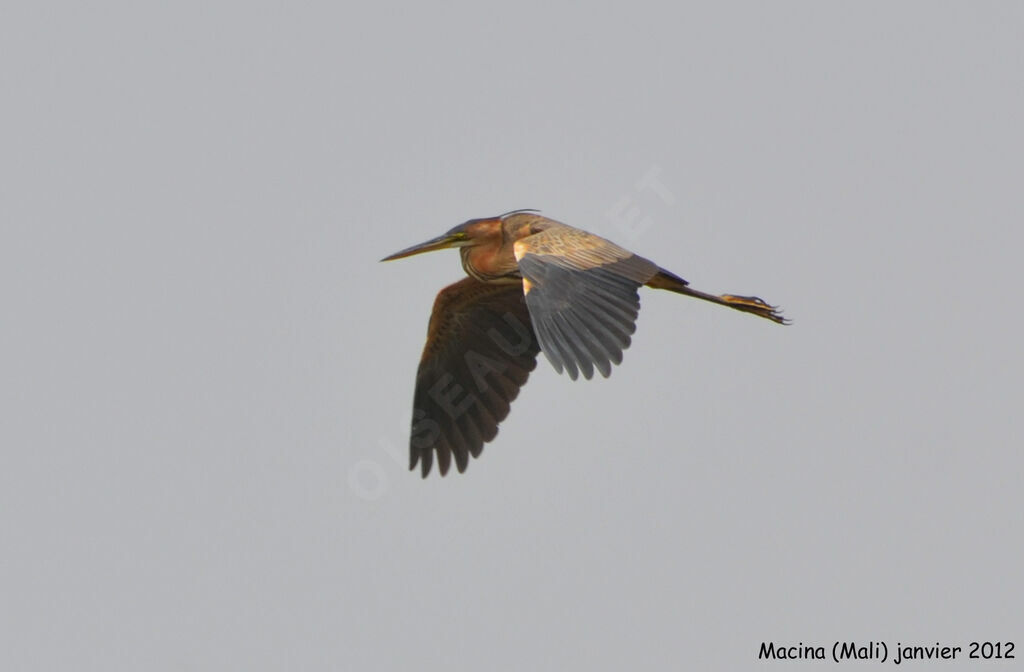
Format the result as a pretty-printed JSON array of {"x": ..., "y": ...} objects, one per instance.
[{"x": 534, "y": 284}]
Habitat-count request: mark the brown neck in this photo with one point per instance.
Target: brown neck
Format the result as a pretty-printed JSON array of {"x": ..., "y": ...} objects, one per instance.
[
  {"x": 492, "y": 258},
  {"x": 490, "y": 263}
]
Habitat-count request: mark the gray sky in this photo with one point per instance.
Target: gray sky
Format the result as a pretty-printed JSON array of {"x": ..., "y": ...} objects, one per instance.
[{"x": 207, "y": 376}]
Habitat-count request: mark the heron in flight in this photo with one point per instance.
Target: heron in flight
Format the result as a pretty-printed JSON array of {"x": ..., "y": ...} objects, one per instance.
[{"x": 534, "y": 285}]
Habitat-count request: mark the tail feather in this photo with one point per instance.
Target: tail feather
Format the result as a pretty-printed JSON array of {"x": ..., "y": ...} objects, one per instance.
[{"x": 747, "y": 304}]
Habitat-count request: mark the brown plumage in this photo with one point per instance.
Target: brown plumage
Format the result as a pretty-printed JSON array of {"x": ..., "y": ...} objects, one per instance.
[{"x": 534, "y": 285}]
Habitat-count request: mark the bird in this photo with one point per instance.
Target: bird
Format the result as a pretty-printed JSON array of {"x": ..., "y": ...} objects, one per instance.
[{"x": 533, "y": 285}]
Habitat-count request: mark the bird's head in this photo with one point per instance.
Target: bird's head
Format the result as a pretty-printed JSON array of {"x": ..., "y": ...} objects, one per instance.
[{"x": 468, "y": 234}]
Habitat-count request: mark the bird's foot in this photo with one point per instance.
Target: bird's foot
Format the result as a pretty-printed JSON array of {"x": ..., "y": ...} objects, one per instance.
[{"x": 757, "y": 306}]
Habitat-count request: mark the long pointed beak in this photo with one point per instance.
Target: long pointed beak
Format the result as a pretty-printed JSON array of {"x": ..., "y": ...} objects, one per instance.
[{"x": 440, "y": 243}]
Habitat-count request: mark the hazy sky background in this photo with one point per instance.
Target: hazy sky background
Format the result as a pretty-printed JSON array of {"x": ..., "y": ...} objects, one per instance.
[{"x": 207, "y": 376}]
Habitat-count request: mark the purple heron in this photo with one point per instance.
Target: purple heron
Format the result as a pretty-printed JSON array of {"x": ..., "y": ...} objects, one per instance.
[{"x": 534, "y": 285}]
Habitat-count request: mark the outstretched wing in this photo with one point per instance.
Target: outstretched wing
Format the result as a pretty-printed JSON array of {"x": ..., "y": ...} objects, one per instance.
[
  {"x": 480, "y": 350},
  {"x": 582, "y": 294}
]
